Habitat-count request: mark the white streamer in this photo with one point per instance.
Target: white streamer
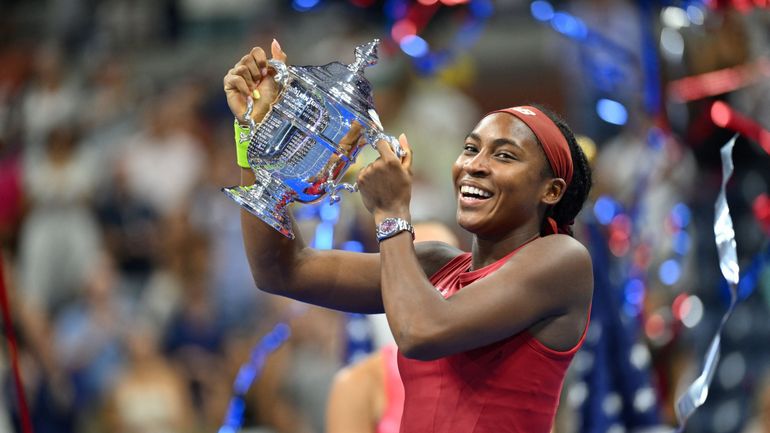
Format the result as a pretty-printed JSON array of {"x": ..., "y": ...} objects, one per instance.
[{"x": 724, "y": 235}]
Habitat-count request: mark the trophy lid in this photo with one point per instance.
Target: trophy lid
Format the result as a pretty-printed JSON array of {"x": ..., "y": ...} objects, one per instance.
[{"x": 345, "y": 83}]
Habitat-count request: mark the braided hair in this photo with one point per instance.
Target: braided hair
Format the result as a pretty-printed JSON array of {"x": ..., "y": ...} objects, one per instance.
[{"x": 565, "y": 211}]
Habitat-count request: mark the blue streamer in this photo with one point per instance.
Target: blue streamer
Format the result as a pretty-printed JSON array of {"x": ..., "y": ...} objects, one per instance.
[
  {"x": 427, "y": 61},
  {"x": 650, "y": 62},
  {"x": 249, "y": 372},
  {"x": 575, "y": 28}
]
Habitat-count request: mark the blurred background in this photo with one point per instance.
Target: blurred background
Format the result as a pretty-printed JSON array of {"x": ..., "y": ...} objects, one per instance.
[{"x": 130, "y": 297}]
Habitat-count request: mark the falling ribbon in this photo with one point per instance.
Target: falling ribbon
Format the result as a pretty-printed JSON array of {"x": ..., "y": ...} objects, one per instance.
[
  {"x": 718, "y": 82},
  {"x": 724, "y": 116},
  {"x": 410, "y": 18},
  {"x": 724, "y": 234},
  {"x": 249, "y": 372}
]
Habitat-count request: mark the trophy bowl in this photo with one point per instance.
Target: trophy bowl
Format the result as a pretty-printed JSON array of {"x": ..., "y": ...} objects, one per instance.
[{"x": 295, "y": 151}]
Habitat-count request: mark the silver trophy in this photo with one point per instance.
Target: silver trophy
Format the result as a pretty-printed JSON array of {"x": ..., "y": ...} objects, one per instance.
[{"x": 295, "y": 151}]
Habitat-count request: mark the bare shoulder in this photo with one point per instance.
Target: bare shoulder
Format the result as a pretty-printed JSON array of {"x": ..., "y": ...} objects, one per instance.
[
  {"x": 365, "y": 373},
  {"x": 564, "y": 246},
  {"x": 355, "y": 396},
  {"x": 433, "y": 255},
  {"x": 559, "y": 248},
  {"x": 558, "y": 261}
]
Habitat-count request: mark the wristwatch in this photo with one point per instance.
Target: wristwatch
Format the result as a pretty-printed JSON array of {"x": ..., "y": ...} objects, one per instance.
[{"x": 390, "y": 227}]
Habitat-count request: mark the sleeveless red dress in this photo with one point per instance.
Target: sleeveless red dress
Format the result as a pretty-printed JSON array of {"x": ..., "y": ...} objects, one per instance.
[{"x": 509, "y": 386}]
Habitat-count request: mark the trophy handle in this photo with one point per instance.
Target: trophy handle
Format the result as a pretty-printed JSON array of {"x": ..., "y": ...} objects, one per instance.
[
  {"x": 334, "y": 197},
  {"x": 281, "y": 71},
  {"x": 393, "y": 141},
  {"x": 379, "y": 135}
]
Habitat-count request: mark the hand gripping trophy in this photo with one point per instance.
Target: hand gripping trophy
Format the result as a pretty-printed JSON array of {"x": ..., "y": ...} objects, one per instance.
[{"x": 295, "y": 152}]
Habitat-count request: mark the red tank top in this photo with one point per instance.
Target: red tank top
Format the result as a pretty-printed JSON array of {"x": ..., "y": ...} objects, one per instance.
[{"x": 509, "y": 386}]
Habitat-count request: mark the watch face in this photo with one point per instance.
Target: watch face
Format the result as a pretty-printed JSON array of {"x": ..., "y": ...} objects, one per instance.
[{"x": 388, "y": 226}]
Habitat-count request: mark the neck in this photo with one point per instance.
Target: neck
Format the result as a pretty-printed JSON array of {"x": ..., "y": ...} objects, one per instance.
[{"x": 487, "y": 251}]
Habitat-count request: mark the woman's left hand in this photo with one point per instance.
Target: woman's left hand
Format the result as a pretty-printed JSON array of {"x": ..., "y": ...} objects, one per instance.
[{"x": 386, "y": 184}]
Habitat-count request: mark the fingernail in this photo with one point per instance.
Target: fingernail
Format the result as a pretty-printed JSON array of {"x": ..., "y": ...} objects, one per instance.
[
  {"x": 278, "y": 45},
  {"x": 263, "y": 71}
]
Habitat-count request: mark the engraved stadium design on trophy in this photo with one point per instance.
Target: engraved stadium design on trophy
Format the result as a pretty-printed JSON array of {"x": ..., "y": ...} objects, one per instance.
[{"x": 295, "y": 151}]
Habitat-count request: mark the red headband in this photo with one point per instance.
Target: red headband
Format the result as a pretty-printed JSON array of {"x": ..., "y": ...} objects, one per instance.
[
  {"x": 554, "y": 144},
  {"x": 553, "y": 141}
]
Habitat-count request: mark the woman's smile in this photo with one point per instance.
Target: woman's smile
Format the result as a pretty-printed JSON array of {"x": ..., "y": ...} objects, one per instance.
[{"x": 472, "y": 195}]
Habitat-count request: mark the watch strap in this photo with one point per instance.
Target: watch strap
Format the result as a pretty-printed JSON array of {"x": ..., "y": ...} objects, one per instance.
[{"x": 390, "y": 227}]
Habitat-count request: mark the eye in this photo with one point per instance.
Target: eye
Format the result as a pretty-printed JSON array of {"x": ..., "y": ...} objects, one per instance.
[
  {"x": 505, "y": 155},
  {"x": 470, "y": 148}
]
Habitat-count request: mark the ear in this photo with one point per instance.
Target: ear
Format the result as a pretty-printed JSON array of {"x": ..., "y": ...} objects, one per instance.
[{"x": 554, "y": 190}]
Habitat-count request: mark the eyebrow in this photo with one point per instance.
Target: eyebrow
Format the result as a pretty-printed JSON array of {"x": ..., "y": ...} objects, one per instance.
[{"x": 497, "y": 142}]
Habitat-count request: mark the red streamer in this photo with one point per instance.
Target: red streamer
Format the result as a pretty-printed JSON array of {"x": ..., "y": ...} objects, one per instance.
[
  {"x": 718, "y": 82},
  {"x": 26, "y": 421},
  {"x": 743, "y": 6},
  {"x": 761, "y": 208},
  {"x": 724, "y": 116}
]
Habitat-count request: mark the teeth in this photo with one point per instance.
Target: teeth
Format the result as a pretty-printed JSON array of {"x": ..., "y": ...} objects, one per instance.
[{"x": 465, "y": 189}]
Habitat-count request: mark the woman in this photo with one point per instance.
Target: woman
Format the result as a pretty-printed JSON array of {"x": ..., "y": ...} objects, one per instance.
[{"x": 485, "y": 337}]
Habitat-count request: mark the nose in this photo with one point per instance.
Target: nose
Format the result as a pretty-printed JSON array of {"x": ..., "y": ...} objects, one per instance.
[{"x": 477, "y": 165}]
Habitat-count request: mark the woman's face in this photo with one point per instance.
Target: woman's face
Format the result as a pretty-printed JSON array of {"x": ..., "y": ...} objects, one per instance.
[{"x": 500, "y": 178}]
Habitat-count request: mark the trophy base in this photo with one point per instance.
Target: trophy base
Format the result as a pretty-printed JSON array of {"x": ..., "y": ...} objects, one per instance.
[{"x": 267, "y": 204}]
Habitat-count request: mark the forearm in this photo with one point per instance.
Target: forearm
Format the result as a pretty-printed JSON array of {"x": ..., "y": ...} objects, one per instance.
[
  {"x": 413, "y": 306},
  {"x": 272, "y": 256},
  {"x": 336, "y": 279}
]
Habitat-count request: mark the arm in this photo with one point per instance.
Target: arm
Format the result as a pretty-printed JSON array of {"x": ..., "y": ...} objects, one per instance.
[
  {"x": 335, "y": 279},
  {"x": 523, "y": 292},
  {"x": 330, "y": 278},
  {"x": 526, "y": 291},
  {"x": 357, "y": 397}
]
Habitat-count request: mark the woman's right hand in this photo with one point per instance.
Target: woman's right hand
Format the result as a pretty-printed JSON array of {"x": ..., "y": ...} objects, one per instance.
[{"x": 249, "y": 74}]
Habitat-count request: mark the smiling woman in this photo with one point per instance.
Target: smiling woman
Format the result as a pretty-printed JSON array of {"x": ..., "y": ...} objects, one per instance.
[
  {"x": 563, "y": 163},
  {"x": 484, "y": 337}
]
